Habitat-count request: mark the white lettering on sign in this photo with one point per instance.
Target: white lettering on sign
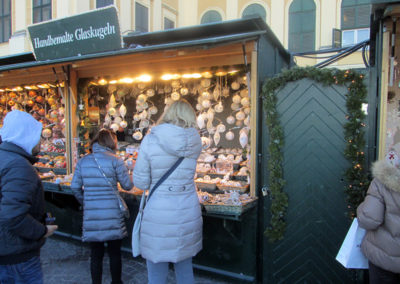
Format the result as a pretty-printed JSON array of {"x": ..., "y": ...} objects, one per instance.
[{"x": 79, "y": 34}]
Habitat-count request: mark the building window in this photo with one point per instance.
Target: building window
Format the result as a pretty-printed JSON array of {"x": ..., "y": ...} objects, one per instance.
[
  {"x": 168, "y": 24},
  {"x": 5, "y": 20},
  {"x": 355, "y": 21},
  {"x": 41, "y": 10},
  {"x": 141, "y": 18},
  {"x": 211, "y": 17},
  {"x": 103, "y": 3},
  {"x": 254, "y": 10},
  {"x": 302, "y": 26}
]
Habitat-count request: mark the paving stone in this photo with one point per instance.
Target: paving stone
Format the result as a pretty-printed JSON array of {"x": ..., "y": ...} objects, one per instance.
[{"x": 67, "y": 261}]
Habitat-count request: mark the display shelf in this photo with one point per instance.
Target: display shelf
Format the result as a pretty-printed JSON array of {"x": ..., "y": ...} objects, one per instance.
[{"x": 235, "y": 217}]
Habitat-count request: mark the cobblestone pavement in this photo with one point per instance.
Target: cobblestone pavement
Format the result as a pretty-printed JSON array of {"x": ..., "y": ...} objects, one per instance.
[{"x": 66, "y": 261}]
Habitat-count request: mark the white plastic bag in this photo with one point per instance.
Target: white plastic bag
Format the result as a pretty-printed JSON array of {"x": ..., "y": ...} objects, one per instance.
[
  {"x": 350, "y": 255},
  {"x": 136, "y": 228}
]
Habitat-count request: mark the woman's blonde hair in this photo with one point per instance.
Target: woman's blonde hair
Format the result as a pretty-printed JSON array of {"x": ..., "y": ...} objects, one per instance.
[{"x": 179, "y": 113}]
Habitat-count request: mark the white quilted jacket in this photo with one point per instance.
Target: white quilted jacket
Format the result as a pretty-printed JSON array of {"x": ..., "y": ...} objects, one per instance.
[{"x": 172, "y": 224}]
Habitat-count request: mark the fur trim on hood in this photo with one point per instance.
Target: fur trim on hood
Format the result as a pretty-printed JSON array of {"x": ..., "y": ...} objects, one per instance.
[{"x": 387, "y": 174}]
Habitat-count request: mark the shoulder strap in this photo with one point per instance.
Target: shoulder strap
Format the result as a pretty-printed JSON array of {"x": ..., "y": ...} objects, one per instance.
[
  {"x": 102, "y": 172},
  {"x": 165, "y": 176}
]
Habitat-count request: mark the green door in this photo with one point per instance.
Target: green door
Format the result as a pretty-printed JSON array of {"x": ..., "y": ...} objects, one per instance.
[{"x": 312, "y": 116}]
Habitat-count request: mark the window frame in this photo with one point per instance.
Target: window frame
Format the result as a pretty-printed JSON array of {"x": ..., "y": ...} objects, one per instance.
[
  {"x": 209, "y": 11},
  {"x": 106, "y": 5},
  {"x": 148, "y": 17},
  {"x": 40, "y": 8},
  {"x": 251, "y": 4},
  {"x": 3, "y": 19}
]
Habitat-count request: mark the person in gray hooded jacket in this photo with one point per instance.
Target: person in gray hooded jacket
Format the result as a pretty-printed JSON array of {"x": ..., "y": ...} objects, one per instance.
[
  {"x": 103, "y": 220},
  {"x": 379, "y": 214}
]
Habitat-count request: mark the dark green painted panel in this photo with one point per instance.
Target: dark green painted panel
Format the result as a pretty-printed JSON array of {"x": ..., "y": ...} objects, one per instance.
[{"x": 312, "y": 116}]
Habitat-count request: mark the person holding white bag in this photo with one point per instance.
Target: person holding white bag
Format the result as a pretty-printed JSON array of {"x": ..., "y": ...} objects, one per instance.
[
  {"x": 171, "y": 228},
  {"x": 379, "y": 215}
]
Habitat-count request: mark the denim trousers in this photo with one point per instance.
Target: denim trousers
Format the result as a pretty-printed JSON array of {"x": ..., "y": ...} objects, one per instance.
[
  {"x": 379, "y": 275},
  {"x": 28, "y": 272},
  {"x": 96, "y": 261},
  {"x": 157, "y": 272}
]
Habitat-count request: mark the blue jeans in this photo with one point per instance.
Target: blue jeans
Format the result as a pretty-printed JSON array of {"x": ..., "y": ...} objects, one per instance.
[
  {"x": 157, "y": 272},
  {"x": 28, "y": 272}
]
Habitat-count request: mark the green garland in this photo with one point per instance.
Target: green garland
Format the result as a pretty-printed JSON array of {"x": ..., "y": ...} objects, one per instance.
[{"x": 356, "y": 175}]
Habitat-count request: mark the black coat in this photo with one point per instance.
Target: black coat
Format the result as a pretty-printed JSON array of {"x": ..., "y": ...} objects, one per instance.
[{"x": 22, "y": 207}]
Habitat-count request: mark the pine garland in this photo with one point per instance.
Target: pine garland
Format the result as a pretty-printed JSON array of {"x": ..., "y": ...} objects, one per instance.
[{"x": 356, "y": 175}]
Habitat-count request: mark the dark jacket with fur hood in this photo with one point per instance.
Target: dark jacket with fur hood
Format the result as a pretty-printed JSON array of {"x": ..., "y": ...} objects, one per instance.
[{"x": 379, "y": 214}]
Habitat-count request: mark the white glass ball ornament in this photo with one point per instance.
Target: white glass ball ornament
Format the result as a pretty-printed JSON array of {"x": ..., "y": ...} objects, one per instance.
[
  {"x": 206, "y": 95},
  {"x": 139, "y": 107},
  {"x": 150, "y": 92},
  {"x": 199, "y": 107},
  {"x": 244, "y": 93},
  {"x": 235, "y": 86},
  {"x": 175, "y": 84},
  {"x": 136, "y": 117},
  {"x": 229, "y": 135},
  {"x": 246, "y": 110},
  {"x": 235, "y": 106},
  {"x": 236, "y": 99},
  {"x": 114, "y": 127},
  {"x": 245, "y": 102},
  {"x": 240, "y": 115},
  {"x": 123, "y": 124},
  {"x": 137, "y": 135},
  {"x": 111, "y": 111},
  {"x": 212, "y": 130},
  {"x": 143, "y": 114},
  {"x": 184, "y": 91},
  {"x": 142, "y": 98},
  {"x": 122, "y": 110},
  {"x": 145, "y": 105},
  {"x": 221, "y": 128},
  {"x": 117, "y": 120},
  {"x": 206, "y": 103},
  {"x": 219, "y": 107},
  {"x": 205, "y": 83},
  {"x": 230, "y": 119},
  {"x": 153, "y": 110},
  {"x": 46, "y": 133},
  {"x": 175, "y": 96}
]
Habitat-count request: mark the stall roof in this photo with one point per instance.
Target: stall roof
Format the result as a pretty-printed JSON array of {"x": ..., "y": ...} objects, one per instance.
[{"x": 207, "y": 35}]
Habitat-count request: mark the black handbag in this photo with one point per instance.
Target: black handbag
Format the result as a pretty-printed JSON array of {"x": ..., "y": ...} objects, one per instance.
[{"x": 121, "y": 202}]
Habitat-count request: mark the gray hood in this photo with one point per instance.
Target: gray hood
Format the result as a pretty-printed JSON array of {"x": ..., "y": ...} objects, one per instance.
[
  {"x": 387, "y": 174},
  {"x": 176, "y": 140}
]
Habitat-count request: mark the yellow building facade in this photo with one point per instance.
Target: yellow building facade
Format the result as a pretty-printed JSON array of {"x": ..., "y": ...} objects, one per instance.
[{"x": 320, "y": 17}]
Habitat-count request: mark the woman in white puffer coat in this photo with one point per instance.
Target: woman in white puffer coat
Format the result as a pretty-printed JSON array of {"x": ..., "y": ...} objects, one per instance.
[{"x": 171, "y": 229}]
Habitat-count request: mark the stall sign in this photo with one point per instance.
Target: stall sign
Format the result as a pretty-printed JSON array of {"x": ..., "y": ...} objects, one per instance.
[{"x": 87, "y": 33}]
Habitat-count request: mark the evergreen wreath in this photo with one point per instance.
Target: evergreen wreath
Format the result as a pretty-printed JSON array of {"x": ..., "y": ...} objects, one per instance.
[{"x": 356, "y": 175}]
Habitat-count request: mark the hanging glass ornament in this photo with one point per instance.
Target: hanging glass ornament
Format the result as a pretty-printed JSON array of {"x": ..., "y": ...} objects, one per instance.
[
  {"x": 153, "y": 110},
  {"x": 217, "y": 137},
  {"x": 199, "y": 107},
  {"x": 206, "y": 103},
  {"x": 230, "y": 119},
  {"x": 205, "y": 83},
  {"x": 244, "y": 93},
  {"x": 184, "y": 91},
  {"x": 200, "y": 121},
  {"x": 240, "y": 115},
  {"x": 123, "y": 124},
  {"x": 205, "y": 142},
  {"x": 219, "y": 107},
  {"x": 245, "y": 101},
  {"x": 243, "y": 139},
  {"x": 167, "y": 89},
  {"x": 236, "y": 99},
  {"x": 175, "y": 96},
  {"x": 137, "y": 135},
  {"x": 247, "y": 121},
  {"x": 209, "y": 124},
  {"x": 235, "y": 106},
  {"x": 239, "y": 123},
  {"x": 246, "y": 110},
  {"x": 114, "y": 127},
  {"x": 221, "y": 128},
  {"x": 210, "y": 114},
  {"x": 217, "y": 92},
  {"x": 150, "y": 92},
  {"x": 111, "y": 111},
  {"x": 107, "y": 119},
  {"x": 117, "y": 120},
  {"x": 141, "y": 86},
  {"x": 225, "y": 91},
  {"x": 142, "y": 98},
  {"x": 116, "y": 113},
  {"x": 206, "y": 95},
  {"x": 143, "y": 114},
  {"x": 144, "y": 123},
  {"x": 46, "y": 133},
  {"x": 212, "y": 130},
  {"x": 175, "y": 84},
  {"x": 235, "y": 86},
  {"x": 229, "y": 135},
  {"x": 136, "y": 117},
  {"x": 112, "y": 102},
  {"x": 122, "y": 110}
]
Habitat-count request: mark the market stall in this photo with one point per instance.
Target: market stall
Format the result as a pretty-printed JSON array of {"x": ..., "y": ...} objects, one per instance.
[{"x": 217, "y": 68}]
